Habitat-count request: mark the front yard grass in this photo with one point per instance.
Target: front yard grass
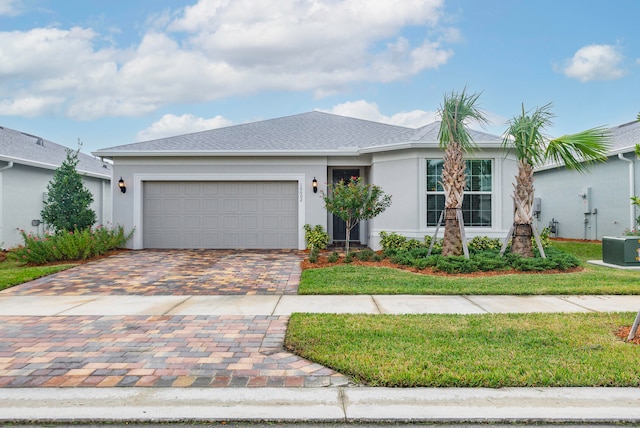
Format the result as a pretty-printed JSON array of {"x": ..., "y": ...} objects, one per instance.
[
  {"x": 351, "y": 279},
  {"x": 489, "y": 350},
  {"x": 13, "y": 273}
]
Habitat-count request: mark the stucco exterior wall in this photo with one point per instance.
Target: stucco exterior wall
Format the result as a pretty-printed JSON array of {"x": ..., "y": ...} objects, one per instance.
[
  {"x": 605, "y": 209},
  {"x": 22, "y": 190},
  {"x": 403, "y": 175},
  {"x": 400, "y": 173},
  {"x": 127, "y": 208}
]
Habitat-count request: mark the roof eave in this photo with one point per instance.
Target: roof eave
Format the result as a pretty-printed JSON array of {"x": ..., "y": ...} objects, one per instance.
[
  {"x": 616, "y": 152},
  {"x": 52, "y": 167},
  {"x": 349, "y": 151}
]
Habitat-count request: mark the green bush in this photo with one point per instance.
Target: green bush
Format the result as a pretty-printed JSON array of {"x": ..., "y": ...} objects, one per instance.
[
  {"x": 392, "y": 241},
  {"x": 69, "y": 246},
  {"x": 488, "y": 260},
  {"x": 484, "y": 243},
  {"x": 316, "y": 237},
  {"x": 457, "y": 264},
  {"x": 437, "y": 246},
  {"x": 313, "y": 257},
  {"x": 365, "y": 255},
  {"x": 333, "y": 257}
]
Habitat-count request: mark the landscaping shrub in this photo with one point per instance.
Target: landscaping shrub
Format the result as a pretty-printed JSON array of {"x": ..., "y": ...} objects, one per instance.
[
  {"x": 365, "y": 255},
  {"x": 487, "y": 260},
  {"x": 313, "y": 256},
  {"x": 72, "y": 245},
  {"x": 316, "y": 238},
  {"x": 333, "y": 257},
  {"x": 484, "y": 243},
  {"x": 457, "y": 264},
  {"x": 391, "y": 241}
]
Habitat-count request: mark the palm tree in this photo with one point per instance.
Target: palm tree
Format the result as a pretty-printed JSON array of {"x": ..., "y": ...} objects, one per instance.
[
  {"x": 525, "y": 136},
  {"x": 455, "y": 139}
]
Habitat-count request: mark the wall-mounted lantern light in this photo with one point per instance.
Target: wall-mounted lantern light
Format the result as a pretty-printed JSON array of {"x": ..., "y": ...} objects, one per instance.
[
  {"x": 122, "y": 186},
  {"x": 314, "y": 184}
]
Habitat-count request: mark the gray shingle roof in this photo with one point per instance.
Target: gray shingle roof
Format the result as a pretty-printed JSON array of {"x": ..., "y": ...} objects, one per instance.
[
  {"x": 23, "y": 148},
  {"x": 625, "y": 137},
  {"x": 311, "y": 132}
]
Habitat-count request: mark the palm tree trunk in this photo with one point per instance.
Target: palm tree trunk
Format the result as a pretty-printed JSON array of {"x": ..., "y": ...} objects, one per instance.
[
  {"x": 523, "y": 217},
  {"x": 452, "y": 240},
  {"x": 521, "y": 243},
  {"x": 453, "y": 182}
]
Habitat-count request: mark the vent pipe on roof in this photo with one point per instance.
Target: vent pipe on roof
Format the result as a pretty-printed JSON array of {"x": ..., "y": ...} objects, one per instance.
[
  {"x": 9, "y": 166},
  {"x": 632, "y": 190}
]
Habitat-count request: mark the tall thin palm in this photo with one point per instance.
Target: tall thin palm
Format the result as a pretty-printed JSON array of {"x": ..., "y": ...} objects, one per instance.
[
  {"x": 525, "y": 136},
  {"x": 456, "y": 111}
]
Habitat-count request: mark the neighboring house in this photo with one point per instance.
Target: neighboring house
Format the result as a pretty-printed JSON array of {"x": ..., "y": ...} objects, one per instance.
[
  {"x": 251, "y": 185},
  {"x": 27, "y": 165},
  {"x": 596, "y": 203}
]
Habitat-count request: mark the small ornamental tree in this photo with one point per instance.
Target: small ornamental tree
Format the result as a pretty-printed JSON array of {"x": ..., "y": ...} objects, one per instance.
[
  {"x": 68, "y": 202},
  {"x": 354, "y": 201}
]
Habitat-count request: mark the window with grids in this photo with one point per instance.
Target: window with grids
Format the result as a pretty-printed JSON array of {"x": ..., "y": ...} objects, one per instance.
[{"x": 476, "y": 204}]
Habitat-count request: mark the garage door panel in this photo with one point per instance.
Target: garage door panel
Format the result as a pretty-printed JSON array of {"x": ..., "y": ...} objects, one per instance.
[
  {"x": 193, "y": 205},
  {"x": 220, "y": 215},
  {"x": 249, "y": 206},
  {"x": 231, "y": 206}
]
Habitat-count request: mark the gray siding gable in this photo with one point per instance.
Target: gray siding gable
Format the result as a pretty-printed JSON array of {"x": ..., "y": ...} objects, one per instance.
[{"x": 27, "y": 149}]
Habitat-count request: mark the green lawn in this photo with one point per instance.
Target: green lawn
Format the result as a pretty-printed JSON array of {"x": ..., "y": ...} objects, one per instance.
[
  {"x": 11, "y": 273},
  {"x": 350, "y": 279},
  {"x": 492, "y": 350}
]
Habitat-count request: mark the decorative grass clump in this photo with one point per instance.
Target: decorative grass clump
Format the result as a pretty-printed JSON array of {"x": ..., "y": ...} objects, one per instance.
[{"x": 69, "y": 245}]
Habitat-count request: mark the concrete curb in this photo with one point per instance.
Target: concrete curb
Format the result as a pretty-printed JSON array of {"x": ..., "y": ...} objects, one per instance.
[{"x": 432, "y": 405}]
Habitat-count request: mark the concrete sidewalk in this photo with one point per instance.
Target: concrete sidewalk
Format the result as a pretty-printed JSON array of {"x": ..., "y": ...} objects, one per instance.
[{"x": 287, "y": 304}]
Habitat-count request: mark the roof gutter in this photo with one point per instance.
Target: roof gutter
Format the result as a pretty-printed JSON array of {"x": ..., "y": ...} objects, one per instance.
[
  {"x": 9, "y": 166},
  {"x": 632, "y": 190}
]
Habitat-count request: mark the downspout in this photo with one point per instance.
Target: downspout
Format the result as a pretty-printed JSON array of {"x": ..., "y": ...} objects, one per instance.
[
  {"x": 8, "y": 166},
  {"x": 632, "y": 190}
]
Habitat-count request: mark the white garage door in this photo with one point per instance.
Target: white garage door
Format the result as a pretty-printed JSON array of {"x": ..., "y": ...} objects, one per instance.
[{"x": 220, "y": 214}]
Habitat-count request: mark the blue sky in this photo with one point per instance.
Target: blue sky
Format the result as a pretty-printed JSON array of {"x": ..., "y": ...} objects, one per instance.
[{"x": 112, "y": 72}]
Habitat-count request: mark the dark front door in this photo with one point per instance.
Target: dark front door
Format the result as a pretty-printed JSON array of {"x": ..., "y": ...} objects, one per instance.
[{"x": 339, "y": 225}]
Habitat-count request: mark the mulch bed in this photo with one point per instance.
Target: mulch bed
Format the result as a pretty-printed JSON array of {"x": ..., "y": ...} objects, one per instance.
[{"x": 623, "y": 333}]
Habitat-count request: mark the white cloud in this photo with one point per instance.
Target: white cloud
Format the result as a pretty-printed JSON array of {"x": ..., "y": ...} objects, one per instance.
[
  {"x": 362, "y": 109},
  {"x": 221, "y": 48},
  {"x": 595, "y": 62},
  {"x": 29, "y": 106},
  {"x": 170, "y": 125},
  {"x": 9, "y": 7}
]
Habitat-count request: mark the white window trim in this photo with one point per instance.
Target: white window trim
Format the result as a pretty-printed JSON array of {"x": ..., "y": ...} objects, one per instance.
[
  {"x": 496, "y": 199},
  {"x": 138, "y": 189}
]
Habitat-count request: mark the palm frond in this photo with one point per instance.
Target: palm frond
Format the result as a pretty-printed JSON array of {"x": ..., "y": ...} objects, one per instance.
[
  {"x": 579, "y": 151},
  {"x": 455, "y": 112},
  {"x": 525, "y": 134}
]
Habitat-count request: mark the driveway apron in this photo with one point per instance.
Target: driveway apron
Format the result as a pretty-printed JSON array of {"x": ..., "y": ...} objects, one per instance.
[{"x": 160, "y": 351}]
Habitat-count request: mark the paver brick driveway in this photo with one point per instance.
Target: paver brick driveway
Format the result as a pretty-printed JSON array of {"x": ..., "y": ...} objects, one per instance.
[
  {"x": 159, "y": 351},
  {"x": 176, "y": 272}
]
